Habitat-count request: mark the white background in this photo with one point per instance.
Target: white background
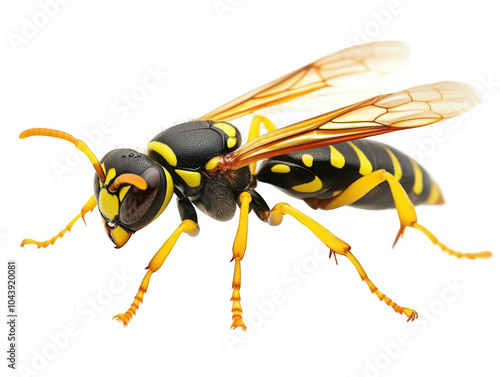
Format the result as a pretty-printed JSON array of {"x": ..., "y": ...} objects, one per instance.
[{"x": 71, "y": 71}]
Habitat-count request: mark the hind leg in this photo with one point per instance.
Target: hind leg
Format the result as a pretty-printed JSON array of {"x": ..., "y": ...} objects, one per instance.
[{"x": 404, "y": 207}]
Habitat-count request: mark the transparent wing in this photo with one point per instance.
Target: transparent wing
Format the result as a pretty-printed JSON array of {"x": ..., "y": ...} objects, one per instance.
[
  {"x": 415, "y": 107},
  {"x": 323, "y": 100},
  {"x": 340, "y": 76}
]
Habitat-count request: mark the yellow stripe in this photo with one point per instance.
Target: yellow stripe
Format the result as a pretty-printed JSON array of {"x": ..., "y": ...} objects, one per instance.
[
  {"x": 307, "y": 159},
  {"x": 336, "y": 158},
  {"x": 434, "y": 194},
  {"x": 168, "y": 193},
  {"x": 192, "y": 178},
  {"x": 398, "y": 172},
  {"x": 212, "y": 163},
  {"x": 280, "y": 168},
  {"x": 165, "y": 151},
  {"x": 418, "y": 186},
  {"x": 228, "y": 129},
  {"x": 312, "y": 186},
  {"x": 231, "y": 142},
  {"x": 365, "y": 164}
]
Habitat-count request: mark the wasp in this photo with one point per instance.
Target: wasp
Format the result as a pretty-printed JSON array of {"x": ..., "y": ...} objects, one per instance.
[{"x": 324, "y": 160}]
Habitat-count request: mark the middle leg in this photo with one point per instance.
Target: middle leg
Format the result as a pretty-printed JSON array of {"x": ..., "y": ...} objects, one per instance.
[
  {"x": 239, "y": 248},
  {"x": 254, "y": 133}
]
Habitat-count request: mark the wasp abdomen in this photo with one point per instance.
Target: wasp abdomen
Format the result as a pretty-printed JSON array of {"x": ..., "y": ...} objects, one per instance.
[{"x": 325, "y": 172}]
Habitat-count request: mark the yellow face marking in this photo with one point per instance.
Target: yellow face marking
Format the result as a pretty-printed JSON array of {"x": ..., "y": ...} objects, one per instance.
[
  {"x": 307, "y": 159},
  {"x": 312, "y": 186},
  {"x": 123, "y": 192},
  {"x": 434, "y": 194},
  {"x": 231, "y": 142},
  {"x": 192, "y": 178},
  {"x": 108, "y": 204},
  {"x": 280, "y": 168},
  {"x": 110, "y": 175},
  {"x": 365, "y": 164},
  {"x": 165, "y": 151},
  {"x": 336, "y": 158},
  {"x": 418, "y": 186},
  {"x": 120, "y": 235},
  {"x": 398, "y": 172},
  {"x": 227, "y": 128}
]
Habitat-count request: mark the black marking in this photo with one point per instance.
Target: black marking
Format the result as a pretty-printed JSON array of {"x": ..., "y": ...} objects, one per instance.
[{"x": 338, "y": 179}]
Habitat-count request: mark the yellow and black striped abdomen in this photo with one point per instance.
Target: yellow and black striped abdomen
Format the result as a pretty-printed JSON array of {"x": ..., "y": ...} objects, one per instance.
[{"x": 326, "y": 171}]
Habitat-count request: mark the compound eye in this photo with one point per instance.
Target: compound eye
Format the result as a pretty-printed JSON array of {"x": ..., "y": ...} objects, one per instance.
[{"x": 137, "y": 202}]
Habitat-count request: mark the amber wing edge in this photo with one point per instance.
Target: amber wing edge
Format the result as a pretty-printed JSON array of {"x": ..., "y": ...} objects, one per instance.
[
  {"x": 414, "y": 107},
  {"x": 365, "y": 63}
]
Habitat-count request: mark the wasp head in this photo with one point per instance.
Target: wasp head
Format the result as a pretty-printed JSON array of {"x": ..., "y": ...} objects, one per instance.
[{"x": 131, "y": 192}]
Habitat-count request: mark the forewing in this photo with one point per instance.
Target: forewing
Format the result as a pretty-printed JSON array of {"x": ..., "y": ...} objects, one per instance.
[
  {"x": 340, "y": 73},
  {"x": 415, "y": 107}
]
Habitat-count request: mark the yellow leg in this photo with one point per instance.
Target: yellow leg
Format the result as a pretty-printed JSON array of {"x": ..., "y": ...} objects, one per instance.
[
  {"x": 239, "y": 247},
  {"x": 187, "y": 226},
  {"x": 88, "y": 207},
  {"x": 255, "y": 132},
  {"x": 406, "y": 211},
  {"x": 338, "y": 246}
]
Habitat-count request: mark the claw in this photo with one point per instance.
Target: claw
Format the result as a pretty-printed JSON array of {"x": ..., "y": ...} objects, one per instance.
[
  {"x": 29, "y": 241},
  {"x": 334, "y": 255},
  {"x": 411, "y": 314},
  {"x": 124, "y": 318}
]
